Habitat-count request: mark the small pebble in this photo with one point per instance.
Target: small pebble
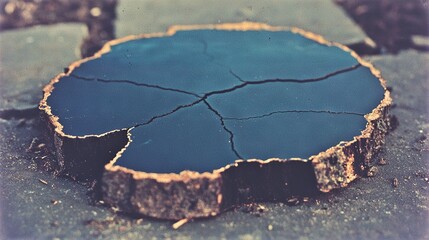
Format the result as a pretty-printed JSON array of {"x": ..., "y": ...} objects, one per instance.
[
  {"x": 372, "y": 171},
  {"x": 95, "y": 11},
  {"x": 270, "y": 227},
  {"x": 260, "y": 208},
  {"x": 180, "y": 223},
  {"x": 43, "y": 181},
  {"x": 395, "y": 182},
  {"x": 40, "y": 146},
  {"x": 293, "y": 201},
  {"x": 382, "y": 161},
  {"x": 9, "y": 8}
]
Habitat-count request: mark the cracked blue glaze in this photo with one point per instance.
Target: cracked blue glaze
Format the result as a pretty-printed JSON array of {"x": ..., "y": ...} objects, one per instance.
[
  {"x": 192, "y": 138},
  {"x": 90, "y": 107},
  {"x": 339, "y": 93},
  {"x": 297, "y": 134},
  {"x": 201, "y": 99}
]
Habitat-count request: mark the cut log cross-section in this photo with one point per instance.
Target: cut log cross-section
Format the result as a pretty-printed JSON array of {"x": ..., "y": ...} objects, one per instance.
[{"x": 191, "y": 122}]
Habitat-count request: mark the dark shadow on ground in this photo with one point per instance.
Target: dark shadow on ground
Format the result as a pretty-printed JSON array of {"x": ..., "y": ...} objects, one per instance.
[{"x": 390, "y": 25}]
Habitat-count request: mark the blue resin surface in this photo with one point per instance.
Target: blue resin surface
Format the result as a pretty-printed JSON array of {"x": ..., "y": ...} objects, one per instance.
[{"x": 201, "y": 99}]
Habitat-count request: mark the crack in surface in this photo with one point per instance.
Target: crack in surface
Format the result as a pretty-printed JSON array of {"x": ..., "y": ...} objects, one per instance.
[
  {"x": 283, "y": 80},
  {"x": 245, "y": 83},
  {"x": 207, "y": 95},
  {"x": 168, "y": 113},
  {"x": 203, "y": 98},
  {"x": 212, "y": 58},
  {"x": 231, "y": 89},
  {"x": 231, "y": 135},
  {"x": 294, "y": 111},
  {"x": 236, "y": 76},
  {"x": 134, "y": 83}
]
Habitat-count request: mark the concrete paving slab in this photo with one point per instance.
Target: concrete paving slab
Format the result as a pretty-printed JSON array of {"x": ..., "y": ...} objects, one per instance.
[
  {"x": 30, "y": 57},
  {"x": 322, "y": 17}
]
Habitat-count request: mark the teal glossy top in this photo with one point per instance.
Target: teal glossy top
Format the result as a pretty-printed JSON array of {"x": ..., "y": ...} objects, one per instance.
[{"x": 202, "y": 99}]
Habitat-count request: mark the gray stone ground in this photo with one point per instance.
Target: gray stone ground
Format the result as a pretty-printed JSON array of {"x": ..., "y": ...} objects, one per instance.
[
  {"x": 369, "y": 208},
  {"x": 29, "y": 57}
]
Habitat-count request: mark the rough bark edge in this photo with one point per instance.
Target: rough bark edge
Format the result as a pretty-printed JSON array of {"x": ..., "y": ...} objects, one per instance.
[
  {"x": 79, "y": 159},
  {"x": 339, "y": 165},
  {"x": 151, "y": 194},
  {"x": 168, "y": 196}
]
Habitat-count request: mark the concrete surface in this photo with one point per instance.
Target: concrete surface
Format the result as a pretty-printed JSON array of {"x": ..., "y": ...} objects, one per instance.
[
  {"x": 31, "y": 56},
  {"x": 322, "y": 17},
  {"x": 369, "y": 208}
]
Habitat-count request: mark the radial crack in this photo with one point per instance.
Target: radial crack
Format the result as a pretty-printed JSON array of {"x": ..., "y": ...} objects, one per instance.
[
  {"x": 168, "y": 113},
  {"x": 284, "y": 80},
  {"x": 211, "y": 57},
  {"x": 134, "y": 83},
  {"x": 206, "y": 95},
  {"x": 236, "y": 76},
  {"x": 294, "y": 111},
  {"x": 308, "y": 80},
  {"x": 231, "y": 135}
]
